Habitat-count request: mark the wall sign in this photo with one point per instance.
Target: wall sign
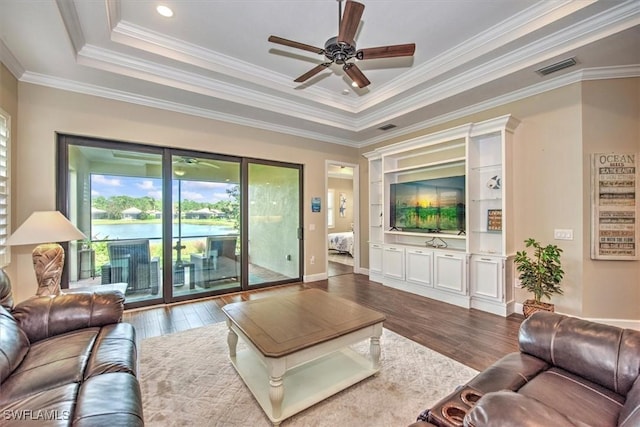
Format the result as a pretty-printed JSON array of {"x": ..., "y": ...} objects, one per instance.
[
  {"x": 494, "y": 220},
  {"x": 614, "y": 213},
  {"x": 316, "y": 204}
]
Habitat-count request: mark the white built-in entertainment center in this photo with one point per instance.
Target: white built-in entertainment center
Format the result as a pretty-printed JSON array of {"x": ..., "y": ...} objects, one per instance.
[{"x": 421, "y": 239}]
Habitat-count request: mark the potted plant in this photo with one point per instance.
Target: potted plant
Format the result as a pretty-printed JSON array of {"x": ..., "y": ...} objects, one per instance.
[{"x": 540, "y": 275}]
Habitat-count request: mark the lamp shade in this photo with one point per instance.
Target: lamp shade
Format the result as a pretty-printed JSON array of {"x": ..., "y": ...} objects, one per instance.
[{"x": 45, "y": 227}]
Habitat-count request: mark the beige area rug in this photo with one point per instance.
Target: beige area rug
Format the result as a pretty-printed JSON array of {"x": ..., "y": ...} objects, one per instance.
[{"x": 188, "y": 380}]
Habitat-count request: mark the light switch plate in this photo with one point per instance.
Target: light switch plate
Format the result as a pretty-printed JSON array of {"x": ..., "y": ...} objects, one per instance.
[{"x": 563, "y": 234}]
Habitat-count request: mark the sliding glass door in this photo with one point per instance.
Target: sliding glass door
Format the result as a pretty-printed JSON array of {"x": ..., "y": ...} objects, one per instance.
[
  {"x": 166, "y": 225},
  {"x": 115, "y": 198},
  {"x": 206, "y": 244},
  {"x": 274, "y": 222}
]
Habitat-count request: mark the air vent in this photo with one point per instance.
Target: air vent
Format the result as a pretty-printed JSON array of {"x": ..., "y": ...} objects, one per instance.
[
  {"x": 387, "y": 127},
  {"x": 565, "y": 63}
]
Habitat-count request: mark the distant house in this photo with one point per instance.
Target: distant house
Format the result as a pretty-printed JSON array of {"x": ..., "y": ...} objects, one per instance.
[
  {"x": 154, "y": 214},
  {"x": 131, "y": 213},
  {"x": 98, "y": 213},
  {"x": 203, "y": 213}
]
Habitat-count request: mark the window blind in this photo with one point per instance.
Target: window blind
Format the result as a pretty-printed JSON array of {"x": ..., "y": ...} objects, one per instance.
[{"x": 5, "y": 187}]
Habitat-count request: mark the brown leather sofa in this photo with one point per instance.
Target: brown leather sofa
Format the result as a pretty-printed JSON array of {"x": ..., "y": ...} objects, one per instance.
[
  {"x": 569, "y": 372},
  {"x": 67, "y": 361}
]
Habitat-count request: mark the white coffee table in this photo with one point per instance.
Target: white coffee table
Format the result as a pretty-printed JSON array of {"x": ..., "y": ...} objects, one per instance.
[{"x": 298, "y": 351}]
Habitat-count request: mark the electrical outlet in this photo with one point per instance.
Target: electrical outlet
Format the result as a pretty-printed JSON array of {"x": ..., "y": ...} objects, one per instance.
[
  {"x": 563, "y": 234},
  {"x": 312, "y": 260}
]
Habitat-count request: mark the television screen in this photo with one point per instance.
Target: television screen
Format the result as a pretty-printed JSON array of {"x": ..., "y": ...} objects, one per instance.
[{"x": 431, "y": 206}]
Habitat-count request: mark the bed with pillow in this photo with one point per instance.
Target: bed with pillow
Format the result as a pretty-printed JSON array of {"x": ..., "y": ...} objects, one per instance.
[{"x": 341, "y": 242}]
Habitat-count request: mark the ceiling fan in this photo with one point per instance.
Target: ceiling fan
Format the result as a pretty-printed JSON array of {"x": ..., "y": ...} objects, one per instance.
[
  {"x": 342, "y": 48},
  {"x": 192, "y": 161}
]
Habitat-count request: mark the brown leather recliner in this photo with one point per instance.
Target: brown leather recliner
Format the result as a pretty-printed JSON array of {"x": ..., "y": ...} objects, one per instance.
[
  {"x": 569, "y": 372},
  {"x": 67, "y": 360}
]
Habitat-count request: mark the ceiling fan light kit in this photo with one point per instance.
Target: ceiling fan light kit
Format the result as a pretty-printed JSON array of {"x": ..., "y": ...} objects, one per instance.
[{"x": 342, "y": 48}]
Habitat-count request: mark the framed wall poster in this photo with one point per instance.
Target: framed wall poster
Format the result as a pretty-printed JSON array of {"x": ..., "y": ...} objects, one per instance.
[
  {"x": 315, "y": 204},
  {"x": 494, "y": 219},
  {"x": 343, "y": 205},
  {"x": 614, "y": 206}
]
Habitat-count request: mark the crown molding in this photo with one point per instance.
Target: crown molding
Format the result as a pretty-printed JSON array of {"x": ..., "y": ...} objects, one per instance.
[
  {"x": 616, "y": 19},
  {"x": 72, "y": 25},
  {"x": 602, "y": 25},
  {"x": 10, "y": 61},
  {"x": 630, "y": 71},
  {"x": 531, "y": 19},
  {"x": 130, "y": 66},
  {"x": 140, "y": 38},
  {"x": 117, "y": 95},
  {"x": 602, "y": 73}
]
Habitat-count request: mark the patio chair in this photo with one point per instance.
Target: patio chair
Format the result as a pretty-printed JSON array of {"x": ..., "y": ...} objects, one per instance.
[
  {"x": 130, "y": 262},
  {"x": 219, "y": 262}
]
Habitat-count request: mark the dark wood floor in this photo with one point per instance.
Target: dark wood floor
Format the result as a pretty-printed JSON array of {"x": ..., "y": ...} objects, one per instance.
[{"x": 472, "y": 337}]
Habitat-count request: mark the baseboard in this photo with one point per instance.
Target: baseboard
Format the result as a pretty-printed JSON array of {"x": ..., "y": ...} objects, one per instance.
[
  {"x": 315, "y": 277},
  {"x": 620, "y": 323}
]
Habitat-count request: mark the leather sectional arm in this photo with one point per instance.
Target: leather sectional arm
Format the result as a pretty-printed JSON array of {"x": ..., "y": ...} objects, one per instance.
[
  {"x": 43, "y": 317},
  {"x": 509, "y": 409}
]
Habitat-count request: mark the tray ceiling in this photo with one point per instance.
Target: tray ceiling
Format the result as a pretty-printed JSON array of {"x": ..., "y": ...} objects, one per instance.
[{"x": 212, "y": 58}]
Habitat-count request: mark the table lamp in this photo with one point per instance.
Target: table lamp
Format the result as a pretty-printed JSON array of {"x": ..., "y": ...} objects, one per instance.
[{"x": 42, "y": 228}]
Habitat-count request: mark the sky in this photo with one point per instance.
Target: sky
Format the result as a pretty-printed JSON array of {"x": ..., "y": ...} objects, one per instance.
[{"x": 198, "y": 191}]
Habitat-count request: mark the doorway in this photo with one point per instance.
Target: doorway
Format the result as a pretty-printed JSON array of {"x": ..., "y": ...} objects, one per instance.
[{"x": 342, "y": 218}]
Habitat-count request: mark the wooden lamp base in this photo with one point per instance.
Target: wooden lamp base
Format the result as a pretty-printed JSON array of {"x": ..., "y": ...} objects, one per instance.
[{"x": 48, "y": 261}]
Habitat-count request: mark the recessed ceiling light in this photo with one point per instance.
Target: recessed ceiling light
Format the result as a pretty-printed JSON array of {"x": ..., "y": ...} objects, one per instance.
[
  {"x": 346, "y": 91},
  {"x": 354, "y": 84},
  {"x": 165, "y": 11}
]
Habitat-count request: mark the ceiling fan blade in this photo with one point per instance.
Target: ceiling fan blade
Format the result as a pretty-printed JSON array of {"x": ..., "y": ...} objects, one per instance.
[
  {"x": 350, "y": 21},
  {"x": 211, "y": 165},
  {"x": 356, "y": 75},
  {"x": 298, "y": 45},
  {"x": 387, "y": 51},
  {"x": 306, "y": 76}
]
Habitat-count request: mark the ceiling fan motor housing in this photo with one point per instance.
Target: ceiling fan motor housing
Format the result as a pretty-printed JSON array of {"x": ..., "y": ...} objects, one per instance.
[{"x": 339, "y": 52}]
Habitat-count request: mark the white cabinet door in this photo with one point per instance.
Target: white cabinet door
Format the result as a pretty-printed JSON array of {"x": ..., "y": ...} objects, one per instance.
[
  {"x": 450, "y": 272},
  {"x": 487, "y": 275},
  {"x": 393, "y": 262},
  {"x": 375, "y": 258},
  {"x": 419, "y": 268}
]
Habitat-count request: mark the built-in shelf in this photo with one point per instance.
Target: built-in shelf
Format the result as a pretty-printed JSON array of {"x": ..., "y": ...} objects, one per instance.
[
  {"x": 488, "y": 199},
  {"x": 473, "y": 269},
  {"x": 458, "y": 161},
  {"x": 486, "y": 167},
  {"x": 426, "y": 235}
]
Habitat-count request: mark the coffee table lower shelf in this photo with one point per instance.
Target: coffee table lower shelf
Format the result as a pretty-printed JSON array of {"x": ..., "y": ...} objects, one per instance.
[{"x": 304, "y": 385}]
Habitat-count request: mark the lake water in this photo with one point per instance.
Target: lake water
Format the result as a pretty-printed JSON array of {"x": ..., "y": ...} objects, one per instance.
[{"x": 154, "y": 231}]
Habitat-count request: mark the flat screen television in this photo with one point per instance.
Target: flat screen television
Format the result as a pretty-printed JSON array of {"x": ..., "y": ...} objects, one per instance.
[{"x": 430, "y": 206}]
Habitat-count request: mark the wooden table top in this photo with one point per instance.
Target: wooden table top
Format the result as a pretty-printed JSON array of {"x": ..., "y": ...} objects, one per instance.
[{"x": 281, "y": 325}]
